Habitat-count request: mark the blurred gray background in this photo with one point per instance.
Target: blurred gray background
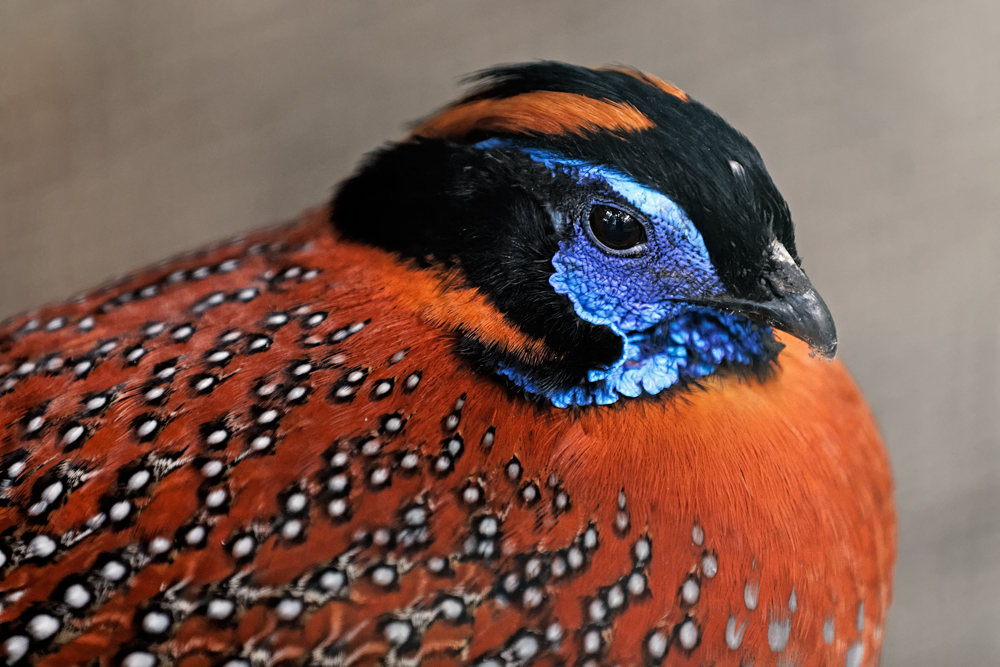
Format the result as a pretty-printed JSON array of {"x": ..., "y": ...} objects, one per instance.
[{"x": 132, "y": 130}]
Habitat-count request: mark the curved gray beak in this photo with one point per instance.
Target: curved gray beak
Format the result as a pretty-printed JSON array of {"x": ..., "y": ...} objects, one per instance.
[{"x": 795, "y": 306}]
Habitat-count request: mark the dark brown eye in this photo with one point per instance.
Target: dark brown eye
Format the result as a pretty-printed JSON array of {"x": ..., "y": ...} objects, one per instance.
[{"x": 615, "y": 228}]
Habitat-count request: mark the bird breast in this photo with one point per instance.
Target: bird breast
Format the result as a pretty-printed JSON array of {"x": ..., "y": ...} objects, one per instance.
[{"x": 272, "y": 450}]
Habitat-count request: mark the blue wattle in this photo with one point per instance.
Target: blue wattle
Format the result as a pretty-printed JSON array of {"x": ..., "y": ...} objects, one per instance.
[{"x": 689, "y": 346}]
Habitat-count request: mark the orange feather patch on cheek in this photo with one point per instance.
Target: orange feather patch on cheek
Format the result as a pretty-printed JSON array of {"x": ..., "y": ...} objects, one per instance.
[
  {"x": 441, "y": 299},
  {"x": 543, "y": 112}
]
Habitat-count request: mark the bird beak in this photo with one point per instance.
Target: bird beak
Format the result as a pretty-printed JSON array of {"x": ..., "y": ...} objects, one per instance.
[{"x": 794, "y": 306}]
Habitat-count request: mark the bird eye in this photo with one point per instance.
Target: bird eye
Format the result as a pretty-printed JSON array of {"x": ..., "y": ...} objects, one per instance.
[{"x": 616, "y": 229}]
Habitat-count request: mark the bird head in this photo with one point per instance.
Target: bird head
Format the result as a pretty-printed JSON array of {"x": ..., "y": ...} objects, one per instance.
[{"x": 605, "y": 213}]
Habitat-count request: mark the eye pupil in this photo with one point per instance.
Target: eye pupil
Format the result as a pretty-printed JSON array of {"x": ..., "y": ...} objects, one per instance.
[{"x": 615, "y": 228}]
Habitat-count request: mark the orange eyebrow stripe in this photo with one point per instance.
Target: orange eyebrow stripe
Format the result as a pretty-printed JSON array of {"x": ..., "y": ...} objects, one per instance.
[
  {"x": 541, "y": 112},
  {"x": 656, "y": 82}
]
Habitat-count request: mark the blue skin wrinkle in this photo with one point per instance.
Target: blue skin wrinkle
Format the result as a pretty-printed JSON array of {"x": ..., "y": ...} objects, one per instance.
[{"x": 641, "y": 298}]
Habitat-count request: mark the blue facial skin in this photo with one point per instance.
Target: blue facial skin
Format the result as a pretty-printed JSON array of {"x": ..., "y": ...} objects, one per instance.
[{"x": 640, "y": 295}]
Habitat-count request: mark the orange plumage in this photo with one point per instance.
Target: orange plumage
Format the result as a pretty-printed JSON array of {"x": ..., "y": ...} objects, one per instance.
[{"x": 269, "y": 452}]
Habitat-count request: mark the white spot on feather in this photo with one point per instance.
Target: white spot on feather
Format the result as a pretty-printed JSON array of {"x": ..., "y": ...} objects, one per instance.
[
  {"x": 750, "y": 596},
  {"x": 777, "y": 634},
  {"x": 734, "y": 634}
]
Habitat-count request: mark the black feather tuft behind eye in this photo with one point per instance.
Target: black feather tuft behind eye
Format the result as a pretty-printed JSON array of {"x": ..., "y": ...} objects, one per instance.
[{"x": 615, "y": 229}]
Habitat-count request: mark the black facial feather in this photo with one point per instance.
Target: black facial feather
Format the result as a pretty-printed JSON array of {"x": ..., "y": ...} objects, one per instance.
[{"x": 448, "y": 205}]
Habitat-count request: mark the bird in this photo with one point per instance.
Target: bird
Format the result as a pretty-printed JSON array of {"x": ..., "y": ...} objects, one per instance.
[{"x": 543, "y": 383}]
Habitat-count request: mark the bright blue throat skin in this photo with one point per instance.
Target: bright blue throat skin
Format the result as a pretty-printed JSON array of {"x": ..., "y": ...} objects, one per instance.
[
  {"x": 640, "y": 296},
  {"x": 691, "y": 345}
]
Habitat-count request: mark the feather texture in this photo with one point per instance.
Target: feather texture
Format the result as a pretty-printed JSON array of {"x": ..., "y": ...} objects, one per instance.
[{"x": 269, "y": 453}]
